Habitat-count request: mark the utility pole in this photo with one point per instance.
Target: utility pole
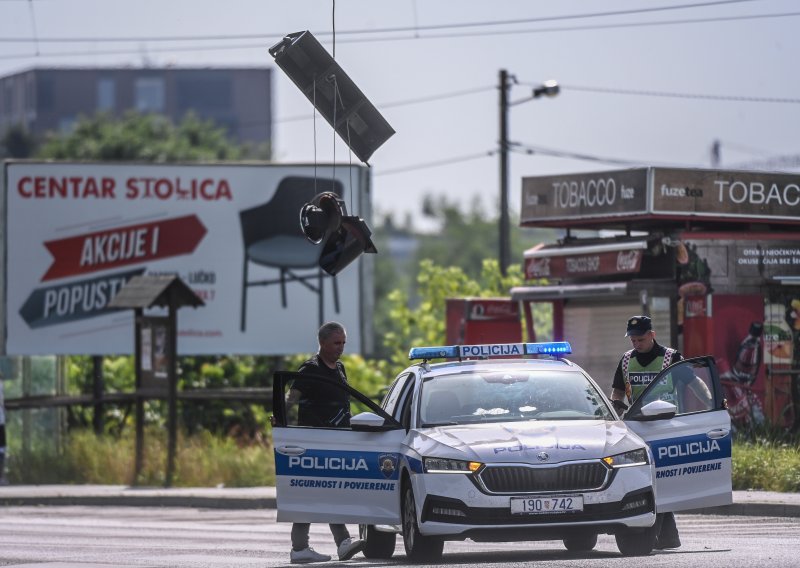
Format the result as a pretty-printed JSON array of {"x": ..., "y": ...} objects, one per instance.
[
  {"x": 548, "y": 89},
  {"x": 504, "y": 230},
  {"x": 716, "y": 153}
]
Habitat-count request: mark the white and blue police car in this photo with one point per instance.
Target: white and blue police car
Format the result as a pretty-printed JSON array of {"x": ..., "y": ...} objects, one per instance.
[{"x": 504, "y": 442}]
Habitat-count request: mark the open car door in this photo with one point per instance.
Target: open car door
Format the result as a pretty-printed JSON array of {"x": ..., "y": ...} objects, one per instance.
[
  {"x": 683, "y": 417},
  {"x": 347, "y": 473}
]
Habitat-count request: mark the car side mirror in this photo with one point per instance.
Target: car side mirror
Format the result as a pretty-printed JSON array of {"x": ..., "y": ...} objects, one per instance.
[
  {"x": 367, "y": 421},
  {"x": 656, "y": 410}
]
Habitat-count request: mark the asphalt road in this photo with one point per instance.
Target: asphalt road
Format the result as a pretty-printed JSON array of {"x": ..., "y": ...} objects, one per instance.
[{"x": 100, "y": 537}]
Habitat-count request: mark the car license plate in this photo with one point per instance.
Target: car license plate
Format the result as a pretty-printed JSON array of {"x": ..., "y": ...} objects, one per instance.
[{"x": 546, "y": 505}]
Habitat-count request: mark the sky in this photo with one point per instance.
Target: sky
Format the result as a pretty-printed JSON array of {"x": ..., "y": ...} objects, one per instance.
[{"x": 651, "y": 82}]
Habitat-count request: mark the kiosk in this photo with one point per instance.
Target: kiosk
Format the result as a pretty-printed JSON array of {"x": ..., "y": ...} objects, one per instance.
[{"x": 712, "y": 256}]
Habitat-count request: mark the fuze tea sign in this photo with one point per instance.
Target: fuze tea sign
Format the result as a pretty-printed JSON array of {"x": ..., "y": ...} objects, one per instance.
[
  {"x": 710, "y": 193},
  {"x": 583, "y": 196},
  {"x": 76, "y": 233}
]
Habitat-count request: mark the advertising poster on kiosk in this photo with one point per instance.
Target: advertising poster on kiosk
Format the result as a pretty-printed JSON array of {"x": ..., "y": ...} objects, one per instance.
[{"x": 754, "y": 337}]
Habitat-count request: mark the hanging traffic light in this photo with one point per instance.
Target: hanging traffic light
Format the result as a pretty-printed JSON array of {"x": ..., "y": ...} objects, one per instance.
[
  {"x": 321, "y": 216},
  {"x": 343, "y": 237}
]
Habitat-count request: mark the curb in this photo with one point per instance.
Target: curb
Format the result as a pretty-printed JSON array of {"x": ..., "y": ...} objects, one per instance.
[
  {"x": 750, "y": 510},
  {"x": 745, "y": 503},
  {"x": 198, "y": 502}
]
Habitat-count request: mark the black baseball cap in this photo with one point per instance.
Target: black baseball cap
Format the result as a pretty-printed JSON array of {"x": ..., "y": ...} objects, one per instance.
[{"x": 638, "y": 325}]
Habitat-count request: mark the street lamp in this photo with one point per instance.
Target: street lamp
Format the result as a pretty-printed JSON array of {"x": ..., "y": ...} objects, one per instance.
[{"x": 547, "y": 89}]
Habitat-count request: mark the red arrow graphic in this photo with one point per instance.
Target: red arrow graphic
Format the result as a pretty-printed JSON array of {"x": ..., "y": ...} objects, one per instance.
[{"x": 121, "y": 246}]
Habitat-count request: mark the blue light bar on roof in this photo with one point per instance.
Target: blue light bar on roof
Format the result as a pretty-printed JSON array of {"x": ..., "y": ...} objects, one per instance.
[
  {"x": 433, "y": 352},
  {"x": 550, "y": 348},
  {"x": 555, "y": 348}
]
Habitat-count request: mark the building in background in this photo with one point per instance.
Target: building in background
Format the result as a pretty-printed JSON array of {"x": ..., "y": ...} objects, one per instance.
[{"x": 51, "y": 99}]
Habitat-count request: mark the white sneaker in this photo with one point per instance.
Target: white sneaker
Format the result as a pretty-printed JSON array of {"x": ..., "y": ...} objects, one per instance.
[
  {"x": 349, "y": 548},
  {"x": 307, "y": 556}
]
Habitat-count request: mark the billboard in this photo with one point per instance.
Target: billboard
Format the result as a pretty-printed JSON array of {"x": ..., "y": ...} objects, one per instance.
[{"x": 75, "y": 233}]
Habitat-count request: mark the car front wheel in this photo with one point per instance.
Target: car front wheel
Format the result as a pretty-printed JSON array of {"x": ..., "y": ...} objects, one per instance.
[
  {"x": 419, "y": 548},
  {"x": 379, "y": 544}
]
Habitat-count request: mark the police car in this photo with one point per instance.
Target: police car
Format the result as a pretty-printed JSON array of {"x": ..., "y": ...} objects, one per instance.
[{"x": 505, "y": 442}]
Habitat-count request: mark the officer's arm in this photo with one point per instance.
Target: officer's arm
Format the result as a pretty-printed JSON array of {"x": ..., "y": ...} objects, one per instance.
[
  {"x": 700, "y": 388},
  {"x": 293, "y": 396},
  {"x": 617, "y": 393}
]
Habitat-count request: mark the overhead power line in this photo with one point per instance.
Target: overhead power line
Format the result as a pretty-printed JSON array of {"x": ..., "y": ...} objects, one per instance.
[
  {"x": 774, "y": 163},
  {"x": 645, "y": 93},
  {"x": 413, "y": 37},
  {"x": 530, "y": 149},
  {"x": 372, "y": 31},
  {"x": 587, "y": 27},
  {"x": 435, "y": 164},
  {"x": 431, "y": 98}
]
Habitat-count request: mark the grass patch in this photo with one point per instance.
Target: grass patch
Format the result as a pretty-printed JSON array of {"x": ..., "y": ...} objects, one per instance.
[
  {"x": 766, "y": 459},
  {"x": 203, "y": 460},
  {"x": 762, "y": 460}
]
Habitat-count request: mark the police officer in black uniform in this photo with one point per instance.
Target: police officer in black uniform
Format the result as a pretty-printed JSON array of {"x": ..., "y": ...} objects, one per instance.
[{"x": 646, "y": 359}]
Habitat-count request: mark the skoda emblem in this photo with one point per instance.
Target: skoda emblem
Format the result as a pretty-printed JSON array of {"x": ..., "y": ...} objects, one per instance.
[{"x": 543, "y": 456}]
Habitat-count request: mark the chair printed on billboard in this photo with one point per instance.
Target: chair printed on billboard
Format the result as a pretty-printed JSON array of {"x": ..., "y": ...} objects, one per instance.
[{"x": 273, "y": 238}]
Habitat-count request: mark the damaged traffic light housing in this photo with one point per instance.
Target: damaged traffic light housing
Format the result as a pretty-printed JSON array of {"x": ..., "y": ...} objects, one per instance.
[{"x": 343, "y": 237}]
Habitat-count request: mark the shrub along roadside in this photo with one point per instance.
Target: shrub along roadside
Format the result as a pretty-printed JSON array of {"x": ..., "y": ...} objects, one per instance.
[{"x": 206, "y": 460}]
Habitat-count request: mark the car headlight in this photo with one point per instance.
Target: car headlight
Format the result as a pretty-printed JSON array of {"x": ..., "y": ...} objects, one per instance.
[
  {"x": 634, "y": 457},
  {"x": 443, "y": 465}
]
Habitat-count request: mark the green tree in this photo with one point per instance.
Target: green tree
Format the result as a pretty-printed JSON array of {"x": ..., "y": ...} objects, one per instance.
[
  {"x": 465, "y": 239},
  {"x": 143, "y": 138},
  {"x": 468, "y": 236},
  {"x": 17, "y": 142},
  {"x": 426, "y": 323}
]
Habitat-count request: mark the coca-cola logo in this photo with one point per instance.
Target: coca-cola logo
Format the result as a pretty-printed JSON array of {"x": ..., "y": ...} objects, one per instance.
[
  {"x": 695, "y": 306},
  {"x": 627, "y": 260},
  {"x": 539, "y": 267}
]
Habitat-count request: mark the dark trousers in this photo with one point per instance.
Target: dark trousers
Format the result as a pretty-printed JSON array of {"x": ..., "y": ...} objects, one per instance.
[
  {"x": 668, "y": 531},
  {"x": 300, "y": 534}
]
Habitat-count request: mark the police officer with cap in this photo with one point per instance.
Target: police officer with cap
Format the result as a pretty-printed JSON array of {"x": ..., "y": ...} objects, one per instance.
[
  {"x": 639, "y": 366},
  {"x": 636, "y": 369}
]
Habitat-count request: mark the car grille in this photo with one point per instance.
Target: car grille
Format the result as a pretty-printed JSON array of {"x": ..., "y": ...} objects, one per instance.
[{"x": 534, "y": 479}]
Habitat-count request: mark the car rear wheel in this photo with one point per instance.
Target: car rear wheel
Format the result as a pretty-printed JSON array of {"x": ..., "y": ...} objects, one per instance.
[
  {"x": 580, "y": 542},
  {"x": 636, "y": 542},
  {"x": 419, "y": 548},
  {"x": 379, "y": 544}
]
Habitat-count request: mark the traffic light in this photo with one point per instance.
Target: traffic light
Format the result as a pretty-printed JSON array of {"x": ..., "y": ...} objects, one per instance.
[
  {"x": 343, "y": 237},
  {"x": 321, "y": 216}
]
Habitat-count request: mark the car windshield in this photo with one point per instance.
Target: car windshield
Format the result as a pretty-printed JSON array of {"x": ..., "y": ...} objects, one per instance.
[{"x": 502, "y": 396}]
